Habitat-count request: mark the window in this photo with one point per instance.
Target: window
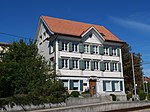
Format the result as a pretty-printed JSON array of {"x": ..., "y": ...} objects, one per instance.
[
  {"x": 115, "y": 66},
  {"x": 106, "y": 64},
  {"x": 74, "y": 47},
  {"x": 75, "y": 85},
  {"x": 64, "y": 63},
  {"x": 108, "y": 85},
  {"x": 65, "y": 83},
  {"x": 75, "y": 63},
  {"x": 86, "y": 48},
  {"x": 114, "y": 51},
  {"x": 106, "y": 50},
  {"x": 116, "y": 85},
  {"x": 96, "y": 65},
  {"x": 64, "y": 46},
  {"x": 87, "y": 64},
  {"x": 95, "y": 49}
]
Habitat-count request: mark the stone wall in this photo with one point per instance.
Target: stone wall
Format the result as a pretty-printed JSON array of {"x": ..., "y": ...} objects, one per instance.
[{"x": 98, "y": 107}]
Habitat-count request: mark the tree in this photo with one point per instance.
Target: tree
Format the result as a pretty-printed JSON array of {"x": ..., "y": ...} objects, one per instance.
[
  {"x": 23, "y": 71},
  {"x": 127, "y": 68}
]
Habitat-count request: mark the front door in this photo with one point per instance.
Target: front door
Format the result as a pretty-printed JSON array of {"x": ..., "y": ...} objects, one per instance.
[{"x": 92, "y": 86}]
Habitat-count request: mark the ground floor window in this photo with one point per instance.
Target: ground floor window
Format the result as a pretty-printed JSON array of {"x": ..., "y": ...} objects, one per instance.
[
  {"x": 109, "y": 85},
  {"x": 75, "y": 85},
  {"x": 65, "y": 84}
]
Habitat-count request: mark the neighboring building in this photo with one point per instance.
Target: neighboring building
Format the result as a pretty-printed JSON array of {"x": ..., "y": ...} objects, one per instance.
[
  {"x": 87, "y": 56},
  {"x": 3, "y": 49},
  {"x": 146, "y": 79}
]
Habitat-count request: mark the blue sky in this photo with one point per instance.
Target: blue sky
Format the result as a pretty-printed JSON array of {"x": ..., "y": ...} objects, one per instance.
[{"x": 127, "y": 19}]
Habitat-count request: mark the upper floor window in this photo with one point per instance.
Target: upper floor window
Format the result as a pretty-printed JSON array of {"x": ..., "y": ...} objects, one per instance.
[
  {"x": 64, "y": 63},
  {"x": 96, "y": 65},
  {"x": 115, "y": 66},
  {"x": 106, "y": 64},
  {"x": 106, "y": 50},
  {"x": 114, "y": 51},
  {"x": 74, "y": 47},
  {"x": 64, "y": 46},
  {"x": 86, "y": 48},
  {"x": 75, "y": 63},
  {"x": 95, "y": 49},
  {"x": 87, "y": 64}
]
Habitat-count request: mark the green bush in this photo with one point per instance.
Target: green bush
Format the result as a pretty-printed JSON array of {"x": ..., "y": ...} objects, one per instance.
[
  {"x": 129, "y": 96},
  {"x": 75, "y": 93},
  {"x": 142, "y": 95},
  {"x": 148, "y": 96},
  {"x": 113, "y": 97}
]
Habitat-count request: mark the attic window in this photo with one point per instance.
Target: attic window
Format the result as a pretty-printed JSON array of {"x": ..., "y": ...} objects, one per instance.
[
  {"x": 90, "y": 35},
  {"x": 102, "y": 34}
]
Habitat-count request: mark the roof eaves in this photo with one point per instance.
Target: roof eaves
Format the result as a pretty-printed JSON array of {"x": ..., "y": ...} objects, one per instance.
[{"x": 52, "y": 32}]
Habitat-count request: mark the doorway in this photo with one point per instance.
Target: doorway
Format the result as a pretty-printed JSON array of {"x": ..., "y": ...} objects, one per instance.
[{"x": 92, "y": 86}]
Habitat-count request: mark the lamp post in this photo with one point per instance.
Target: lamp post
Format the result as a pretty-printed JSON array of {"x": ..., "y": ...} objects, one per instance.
[
  {"x": 146, "y": 89},
  {"x": 135, "y": 95}
]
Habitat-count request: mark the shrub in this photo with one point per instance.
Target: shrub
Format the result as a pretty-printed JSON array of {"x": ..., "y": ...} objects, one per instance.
[
  {"x": 142, "y": 95},
  {"x": 113, "y": 97},
  {"x": 148, "y": 96},
  {"x": 75, "y": 93},
  {"x": 129, "y": 96}
]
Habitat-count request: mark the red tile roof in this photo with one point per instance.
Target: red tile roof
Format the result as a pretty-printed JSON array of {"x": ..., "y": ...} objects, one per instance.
[{"x": 68, "y": 27}]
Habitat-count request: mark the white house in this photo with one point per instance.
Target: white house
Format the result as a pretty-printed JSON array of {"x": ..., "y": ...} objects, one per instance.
[{"x": 87, "y": 56}]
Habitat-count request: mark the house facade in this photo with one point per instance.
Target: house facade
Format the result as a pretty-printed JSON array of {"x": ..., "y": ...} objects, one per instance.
[
  {"x": 88, "y": 57},
  {"x": 3, "y": 49}
]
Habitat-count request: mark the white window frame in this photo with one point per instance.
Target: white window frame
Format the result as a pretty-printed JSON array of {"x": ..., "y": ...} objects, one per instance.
[
  {"x": 117, "y": 85},
  {"x": 75, "y": 63},
  {"x": 107, "y": 66},
  {"x": 66, "y": 84},
  {"x": 87, "y": 64},
  {"x": 106, "y": 51},
  {"x": 74, "y": 47},
  {"x": 95, "y": 49},
  {"x": 64, "y": 46},
  {"x": 115, "y": 66},
  {"x": 76, "y": 84},
  {"x": 86, "y": 48},
  {"x": 65, "y": 63},
  {"x": 109, "y": 85},
  {"x": 96, "y": 65},
  {"x": 114, "y": 51}
]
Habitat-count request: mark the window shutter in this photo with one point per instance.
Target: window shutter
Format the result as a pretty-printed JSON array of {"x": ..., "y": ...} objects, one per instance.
[
  {"x": 81, "y": 85},
  {"x": 81, "y": 48},
  {"x": 101, "y": 50},
  {"x": 92, "y": 65},
  {"x": 104, "y": 85},
  {"x": 118, "y": 52},
  {"x": 102, "y": 66},
  {"x": 60, "y": 45},
  {"x": 70, "y": 46},
  {"x": 113, "y": 85},
  {"x": 111, "y": 66},
  {"x": 60, "y": 63},
  {"x": 121, "y": 86},
  {"x": 49, "y": 49},
  {"x": 71, "y": 84},
  {"x": 70, "y": 64},
  {"x": 110, "y": 51},
  {"x": 81, "y": 64},
  {"x": 119, "y": 67},
  {"x": 91, "y": 49}
]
